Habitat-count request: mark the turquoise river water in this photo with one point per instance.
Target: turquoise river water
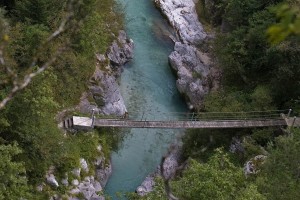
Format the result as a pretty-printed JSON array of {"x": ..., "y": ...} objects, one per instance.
[{"x": 148, "y": 87}]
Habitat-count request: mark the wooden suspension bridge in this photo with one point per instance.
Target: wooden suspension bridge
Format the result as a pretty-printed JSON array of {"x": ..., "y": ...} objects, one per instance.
[{"x": 212, "y": 120}]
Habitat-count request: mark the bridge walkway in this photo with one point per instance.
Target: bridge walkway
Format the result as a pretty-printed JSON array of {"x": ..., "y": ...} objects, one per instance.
[{"x": 190, "y": 120}]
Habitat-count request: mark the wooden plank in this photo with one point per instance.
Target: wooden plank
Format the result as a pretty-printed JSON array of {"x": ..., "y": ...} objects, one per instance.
[
  {"x": 189, "y": 124},
  {"x": 86, "y": 123}
]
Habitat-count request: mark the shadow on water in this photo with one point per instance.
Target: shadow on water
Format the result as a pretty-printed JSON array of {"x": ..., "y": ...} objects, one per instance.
[{"x": 149, "y": 90}]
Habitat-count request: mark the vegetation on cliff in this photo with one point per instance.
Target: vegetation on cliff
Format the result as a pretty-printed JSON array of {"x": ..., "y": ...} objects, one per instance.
[{"x": 64, "y": 35}]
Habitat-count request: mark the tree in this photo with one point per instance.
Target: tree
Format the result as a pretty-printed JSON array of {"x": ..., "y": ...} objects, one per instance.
[
  {"x": 280, "y": 175},
  {"x": 217, "y": 179},
  {"x": 15, "y": 81},
  {"x": 38, "y": 11},
  {"x": 13, "y": 183},
  {"x": 250, "y": 62}
]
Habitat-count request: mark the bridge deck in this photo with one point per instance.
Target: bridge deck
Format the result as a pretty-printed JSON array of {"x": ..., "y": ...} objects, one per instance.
[{"x": 85, "y": 122}]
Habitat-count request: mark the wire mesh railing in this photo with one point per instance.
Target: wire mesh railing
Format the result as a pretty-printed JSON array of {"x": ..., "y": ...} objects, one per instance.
[{"x": 199, "y": 116}]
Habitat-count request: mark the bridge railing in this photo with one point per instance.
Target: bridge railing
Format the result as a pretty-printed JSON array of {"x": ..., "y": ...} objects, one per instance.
[{"x": 205, "y": 116}]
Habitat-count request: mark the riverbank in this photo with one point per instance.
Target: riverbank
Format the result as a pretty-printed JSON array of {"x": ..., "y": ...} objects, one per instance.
[
  {"x": 103, "y": 95},
  {"x": 191, "y": 58}
]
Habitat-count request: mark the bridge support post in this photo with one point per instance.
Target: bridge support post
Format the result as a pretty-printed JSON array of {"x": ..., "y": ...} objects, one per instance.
[
  {"x": 289, "y": 113},
  {"x": 293, "y": 123}
]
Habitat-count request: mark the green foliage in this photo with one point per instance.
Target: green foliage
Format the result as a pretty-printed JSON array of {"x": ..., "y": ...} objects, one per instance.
[
  {"x": 251, "y": 147},
  {"x": 96, "y": 33},
  {"x": 200, "y": 144},
  {"x": 244, "y": 58},
  {"x": 30, "y": 118},
  {"x": 211, "y": 11},
  {"x": 3, "y": 24},
  {"x": 37, "y": 11},
  {"x": 250, "y": 193},
  {"x": 82, "y": 145},
  {"x": 263, "y": 136},
  {"x": 227, "y": 102},
  {"x": 220, "y": 101},
  {"x": 25, "y": 43},
  {"x": 91, "y": 30},
  {"x": 72, "y": 69},
  {"x": 250, "y": 64},
  {"x": 216, "y": 179},
  {"x": 279, "y": 178},
  {"x": 261, "y": 98},
  {"x": 32, "y": 124},
  {"x": 289, "y": 23},
  {"x": 110, "y": 138},
  {"x": 259, "y": 76},
  {"x": 12, "y": 174}
]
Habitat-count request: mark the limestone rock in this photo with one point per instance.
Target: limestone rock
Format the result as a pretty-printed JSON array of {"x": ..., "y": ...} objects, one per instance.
[
  {"x": 40, "y": 187},
  {"x": 99, "y": 148},
  {"x": 76, "y": 172},
  {"x": 192, "y": 73},
  {"x": 88, "y": 188},
  {"x": 104, "y": 95},
  {"x": 236, "y": 146},
  {"x": 104, "y": 91},
  {"x": 183, "y": 17},
  {"x": 75, "y": 191},
  {"x": 84, "y": 165},
  {"x": 65, "y": 182},
  {"x": 107, "y": 95},
  {"x": 171, "y": 164},
  {"x": 146, "y": 186},
  {"x": 190, "y": 58},
  {"x": 103, "y": 172},
  {"x": 100, "y": 57},
  {"x": 75, "y": 182},
  {"x": 51, "y": 180},
  {"x": 96, "y": 197},
  {"x": 170, "y": 167},
  {"x": 253, "y": 165},
  {"x": 121, "y": 51},
  {"x": 163, "y": 31},
  {"x": 97, "y": 186}
]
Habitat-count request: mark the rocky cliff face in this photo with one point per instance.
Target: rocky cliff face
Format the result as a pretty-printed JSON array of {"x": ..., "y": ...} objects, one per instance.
[
  {"x": 170, "y": 166},
  {"x": 81, "y": 182},
  {"x": 193, "y": 73},
  {"x": 183, "y": 17},
  {"x": 104, "y": 95},
  {"x": 190, "y": 58},
  {"x": 120, "y": 52}
]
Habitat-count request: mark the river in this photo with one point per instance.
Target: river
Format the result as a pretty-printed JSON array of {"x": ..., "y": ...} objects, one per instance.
[{"x": 149, "y": 90}]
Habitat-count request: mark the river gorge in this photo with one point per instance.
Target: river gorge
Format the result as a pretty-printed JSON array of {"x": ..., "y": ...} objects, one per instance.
[{"x": 148, "y": 87}]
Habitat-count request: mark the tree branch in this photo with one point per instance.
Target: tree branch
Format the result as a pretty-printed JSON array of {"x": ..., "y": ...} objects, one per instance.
[
  {"x": 28, "y": 78},
  {"x": 18, "y": 86}
]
